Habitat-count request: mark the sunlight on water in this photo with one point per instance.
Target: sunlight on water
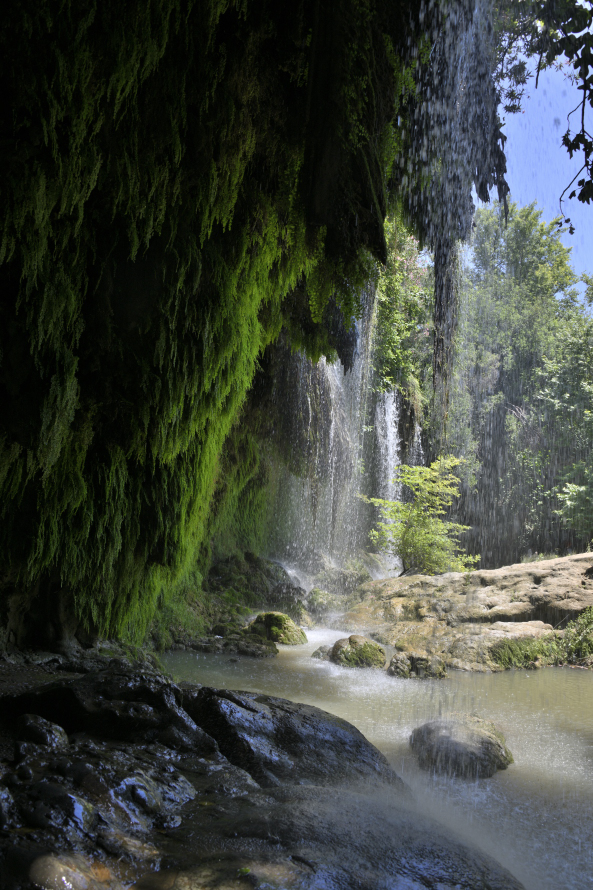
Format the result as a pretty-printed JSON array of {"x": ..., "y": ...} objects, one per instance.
[{"x": 535, "y": 818}]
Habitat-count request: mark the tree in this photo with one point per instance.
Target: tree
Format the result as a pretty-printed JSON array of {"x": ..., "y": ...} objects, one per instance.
[
  {"x": 413, "y": 529},
  {"x": 520, "y": 402}
]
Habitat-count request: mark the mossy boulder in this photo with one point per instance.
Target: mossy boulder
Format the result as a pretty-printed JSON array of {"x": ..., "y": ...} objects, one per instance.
[
  {"x": 358, "y": 651},
  {"x": 279, "y": 628},
  {"x": 461, "y": 745}
]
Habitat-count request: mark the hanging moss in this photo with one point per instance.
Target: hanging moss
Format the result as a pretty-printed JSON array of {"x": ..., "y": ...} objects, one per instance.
[
  {"x": 172, "y": 170},
  {"x": 182, "y": 179}
]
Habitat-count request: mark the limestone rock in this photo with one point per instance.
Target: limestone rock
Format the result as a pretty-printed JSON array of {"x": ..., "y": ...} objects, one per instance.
[
  {"x": 464, "y": 617},
  {"x": 461, "y": 745},
  {"x": 399, "y": 666},
  {"x": 358, "y": 651},
  {"x": 279, "y": 628},
  {"x": 429, "y": 667}
]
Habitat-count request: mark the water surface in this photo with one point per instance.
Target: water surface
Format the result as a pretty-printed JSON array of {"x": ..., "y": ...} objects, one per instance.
[{"x": 536, "y": 818}]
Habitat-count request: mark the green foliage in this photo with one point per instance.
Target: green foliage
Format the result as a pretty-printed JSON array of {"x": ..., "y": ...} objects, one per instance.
[
  {"x": 553, "y": 33},
  {"x": 577, "y": 642},
  {"x": 367, "y": 654},
  {"x": 402, "y": 330},
  {"x": 520, "y": 403},
  {"x": 573, "y": 647},
  {"x": 413, "y": 529},
  {"x": 180, "y": 179},
  {"x": 524, "y": 653}
]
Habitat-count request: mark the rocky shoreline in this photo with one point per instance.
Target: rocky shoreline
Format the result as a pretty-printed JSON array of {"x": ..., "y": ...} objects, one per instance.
[
  {"x": 113, "y": 776},
  {"x": 463, "y": 619},
  {"x": 119, "y": 777}
]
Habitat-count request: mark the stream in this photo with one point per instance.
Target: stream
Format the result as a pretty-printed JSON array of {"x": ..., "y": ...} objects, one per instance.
[{"x": 534, "y": 818}]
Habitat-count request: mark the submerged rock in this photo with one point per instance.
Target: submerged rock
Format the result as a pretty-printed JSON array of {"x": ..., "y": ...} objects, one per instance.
[
  {"x": 358, "y": 651},
  {"x": 461, "y": 745},
  {"x": 279, "y": 628}
]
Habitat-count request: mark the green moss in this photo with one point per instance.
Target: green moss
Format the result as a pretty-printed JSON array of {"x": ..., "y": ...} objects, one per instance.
[
  {"x": 524, "y": 653},
  {"x": 358, "y": 652},
  {"x": 190, "y": 178},
  {"x": 278, "y": 628}
]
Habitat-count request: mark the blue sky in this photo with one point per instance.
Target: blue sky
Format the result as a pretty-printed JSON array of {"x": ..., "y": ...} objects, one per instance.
[{"x": 539, "y": 167}]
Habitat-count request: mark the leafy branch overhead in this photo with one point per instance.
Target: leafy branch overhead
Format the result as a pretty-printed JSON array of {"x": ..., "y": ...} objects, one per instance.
[{"x": 550, "y": 33}]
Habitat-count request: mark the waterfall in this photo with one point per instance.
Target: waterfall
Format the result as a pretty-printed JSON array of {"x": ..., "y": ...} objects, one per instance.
[{"x": 345, "y": 441}]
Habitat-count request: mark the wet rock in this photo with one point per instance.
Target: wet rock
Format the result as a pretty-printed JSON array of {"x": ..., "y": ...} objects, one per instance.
[
  {"x": 321, "y": 602},
  {"x": 57, "y": 872},
  {"x": 343, "y": 581},
  {"x": 424, "y": 666},
  {"x": 358, "y": 651},
  {"x": 7, "y": 807},
  {"x": 461, "y": 745},
  {"x": 243, "y": 643},
  {"x": 118, "y": 703},
  {"x": 399, "y": 666},
  {"x": 278, "y": 628},
  {"x": 323, "y": 653},
  {"x": 42, "y": 732},
  {"x": 104, "y": 812},
  {"x": 274, "y": 739}
]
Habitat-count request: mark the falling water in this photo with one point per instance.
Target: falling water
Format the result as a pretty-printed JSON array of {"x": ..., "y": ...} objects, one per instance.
[{"x": 319, "y": 514}]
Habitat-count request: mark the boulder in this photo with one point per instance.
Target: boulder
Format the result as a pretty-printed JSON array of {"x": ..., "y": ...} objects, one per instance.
[
  {"x": 399, "y": 666},
  {"x": 279, "y": 628},
  {"x": 358, "y": 651},
  {"x": 461, "y": 745},
  {"x": 416, "y": 664},
  {"x": 274, "y": 739},
  {"x": 117, "y": 703},
  {"x": 323, "y": 653}
]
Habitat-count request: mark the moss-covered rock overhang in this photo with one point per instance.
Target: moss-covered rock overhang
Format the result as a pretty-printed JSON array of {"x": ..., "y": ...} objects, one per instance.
[{"x": 172, "y": 170}]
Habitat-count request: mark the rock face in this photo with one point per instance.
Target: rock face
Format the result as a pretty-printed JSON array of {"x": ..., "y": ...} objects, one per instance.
[
  {"x": 462, "y": 617},
  {"x": 358, "y": 651},
  {"x": 461, "y": 745},
  {"x": 278, "y": 628},
  {"x": 137, "y": 780}
]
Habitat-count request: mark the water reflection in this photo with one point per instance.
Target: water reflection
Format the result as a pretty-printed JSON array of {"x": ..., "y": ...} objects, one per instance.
[{"x": 535, "y": 818}]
